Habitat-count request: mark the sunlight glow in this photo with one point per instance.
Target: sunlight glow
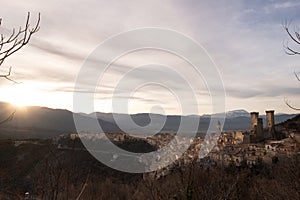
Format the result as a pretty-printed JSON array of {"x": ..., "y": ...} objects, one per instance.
[{"x": 20, "y": 95}]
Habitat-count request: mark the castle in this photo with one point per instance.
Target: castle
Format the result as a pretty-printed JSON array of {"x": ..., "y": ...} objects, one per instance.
[{"x": 258, "y": 132}]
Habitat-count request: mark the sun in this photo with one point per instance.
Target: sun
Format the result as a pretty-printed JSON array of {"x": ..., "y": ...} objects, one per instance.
[{"x": 20, "y": 95}]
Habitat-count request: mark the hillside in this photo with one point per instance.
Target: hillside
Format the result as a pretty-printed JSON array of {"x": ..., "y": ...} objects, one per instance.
[
  {"x": 48, "y": 172},
  {"x": 42, "y": 122},
  {"x": 292, "y": 123}
]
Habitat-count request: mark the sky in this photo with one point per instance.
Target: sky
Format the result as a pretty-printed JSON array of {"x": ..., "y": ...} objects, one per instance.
[{"x": 243, "y": 38}]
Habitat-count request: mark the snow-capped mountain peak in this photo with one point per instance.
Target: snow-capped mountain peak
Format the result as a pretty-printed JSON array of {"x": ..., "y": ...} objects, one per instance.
[{"x": 238, "y": 113}]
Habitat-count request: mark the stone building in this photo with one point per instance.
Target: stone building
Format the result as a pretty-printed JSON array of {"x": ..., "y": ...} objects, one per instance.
[
  {"x": 257, "y": 132},
  {"x": 254, "y": 121},
  {"x": 270, "y": 123},
  {"x": 259, "y": 129}
]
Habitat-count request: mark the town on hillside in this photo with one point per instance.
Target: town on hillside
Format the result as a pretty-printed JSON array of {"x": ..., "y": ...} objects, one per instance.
[{"x": 263, "y": 144}]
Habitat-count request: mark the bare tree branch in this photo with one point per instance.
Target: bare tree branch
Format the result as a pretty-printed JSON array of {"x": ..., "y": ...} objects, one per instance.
[
  {"x": 84, "y": 185},
  {"x": 297, "y": 75},
  {"x": 295, "y": 38},
  {"x": 288, "y": 103},
  {"x": 16, "y": 41},
  {"x": 290, "y": 51},
  {"x": 6, "y": 76},
  {"x": 9, "y": 118}
]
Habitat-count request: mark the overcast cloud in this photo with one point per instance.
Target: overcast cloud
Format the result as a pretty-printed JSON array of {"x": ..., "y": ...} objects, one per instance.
[{"x": 244, "y": 38}]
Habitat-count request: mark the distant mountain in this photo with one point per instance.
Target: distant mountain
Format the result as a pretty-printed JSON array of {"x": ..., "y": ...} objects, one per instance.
[
  {"x": 237, "y": 113},
  {"x": 230, "y": 114},
  {"x": 42, "y": 122}
]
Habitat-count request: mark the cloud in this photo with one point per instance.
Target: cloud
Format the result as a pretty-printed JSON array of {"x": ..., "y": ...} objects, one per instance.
[
  {"x": 243, "y": 38},
  {"x": 58, "y": 50},
  {"x": 269, "y": 91},
  {"x": 286, "y": 4}
]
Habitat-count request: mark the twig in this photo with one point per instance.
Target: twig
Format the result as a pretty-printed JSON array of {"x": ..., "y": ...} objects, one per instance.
[
  {"x": 84, "y": 185},
  {"x": 287, "y": 102},
  {"x": 6, "y": 76},
  {"x": 9, "y": 118}
]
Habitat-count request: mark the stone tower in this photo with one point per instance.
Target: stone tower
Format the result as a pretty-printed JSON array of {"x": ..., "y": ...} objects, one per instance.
[
  {"x": 260, "y": 127},
  {"x": 270, "y": 121},
  {"x": 254, "y": 121}
]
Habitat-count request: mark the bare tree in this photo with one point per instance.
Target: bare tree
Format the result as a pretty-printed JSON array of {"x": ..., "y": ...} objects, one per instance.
[
  {"x": 11, "y": 44},
  {"x": 295, "y": 37}
]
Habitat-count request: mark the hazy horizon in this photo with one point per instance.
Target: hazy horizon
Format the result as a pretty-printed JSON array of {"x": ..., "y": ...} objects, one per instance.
[{"x": 201, "y": 114}]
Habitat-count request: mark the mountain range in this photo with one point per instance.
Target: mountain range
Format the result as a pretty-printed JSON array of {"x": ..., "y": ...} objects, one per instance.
[{"x": 43, "y": 122}]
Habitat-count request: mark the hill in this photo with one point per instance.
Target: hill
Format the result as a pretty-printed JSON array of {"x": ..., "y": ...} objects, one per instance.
[{"x": 42, "y": 122}]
